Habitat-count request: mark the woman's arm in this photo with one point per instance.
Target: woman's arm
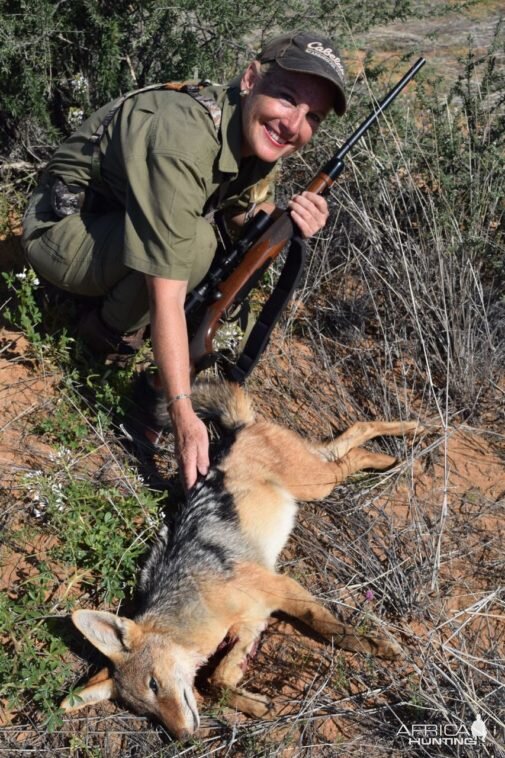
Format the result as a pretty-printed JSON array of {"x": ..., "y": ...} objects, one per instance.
[{"x": 171, "y": 352}]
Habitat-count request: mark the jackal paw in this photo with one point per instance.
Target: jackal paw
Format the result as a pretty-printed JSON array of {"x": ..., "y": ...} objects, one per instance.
[
  {"x": 389, "y": 649},
  {"x": 250, "y": 703}
]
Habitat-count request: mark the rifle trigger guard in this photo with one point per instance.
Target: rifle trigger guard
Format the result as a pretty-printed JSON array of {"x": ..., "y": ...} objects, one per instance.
[{"x": 207, "y": 361}]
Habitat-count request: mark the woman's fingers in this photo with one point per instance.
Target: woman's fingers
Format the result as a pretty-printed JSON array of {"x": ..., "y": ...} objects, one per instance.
[
  {"x": 192, "y": 442},
  {"x": 310, "y": 213}
]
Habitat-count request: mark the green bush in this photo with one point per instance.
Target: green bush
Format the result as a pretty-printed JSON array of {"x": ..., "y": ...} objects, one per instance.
[
  {"x": 67, "y": 59},
  {"x": 96, "y": 535}
]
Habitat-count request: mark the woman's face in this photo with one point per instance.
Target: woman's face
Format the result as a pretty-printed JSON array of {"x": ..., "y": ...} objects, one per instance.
[{"x": 282, "y": 111}]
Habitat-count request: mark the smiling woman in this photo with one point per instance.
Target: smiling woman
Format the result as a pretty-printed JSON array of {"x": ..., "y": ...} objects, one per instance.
[
  {"x": 281, "y": 111},
  {"x": 124, "y": 211}
]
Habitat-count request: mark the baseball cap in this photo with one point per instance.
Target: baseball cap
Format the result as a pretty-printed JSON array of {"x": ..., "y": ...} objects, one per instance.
[{"x": 310, "y": 53}]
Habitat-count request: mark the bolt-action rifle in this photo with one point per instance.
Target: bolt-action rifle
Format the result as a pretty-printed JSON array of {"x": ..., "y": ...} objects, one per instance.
[{"x": 237, "y": 270}]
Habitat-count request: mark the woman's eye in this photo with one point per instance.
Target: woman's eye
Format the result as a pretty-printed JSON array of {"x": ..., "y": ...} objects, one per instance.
[
  {"x": 153, "y": 684},
  {"x": 315, "y": 118},
  {"x": 288, "y": 98}
]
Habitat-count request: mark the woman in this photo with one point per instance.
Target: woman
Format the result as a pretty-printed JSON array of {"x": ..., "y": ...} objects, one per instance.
[{"x": 124, "y": 209}]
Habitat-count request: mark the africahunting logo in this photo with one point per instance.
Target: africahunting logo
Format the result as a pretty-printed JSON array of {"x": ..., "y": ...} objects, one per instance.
[{"x": 444, "y": 734}]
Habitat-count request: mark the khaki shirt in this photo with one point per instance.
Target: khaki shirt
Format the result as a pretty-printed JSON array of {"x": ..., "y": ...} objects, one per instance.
[{"x": 163, "y": 161}]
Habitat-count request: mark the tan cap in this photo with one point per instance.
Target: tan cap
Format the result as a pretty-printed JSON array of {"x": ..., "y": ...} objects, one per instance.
[{"x": 309, "y": 53}]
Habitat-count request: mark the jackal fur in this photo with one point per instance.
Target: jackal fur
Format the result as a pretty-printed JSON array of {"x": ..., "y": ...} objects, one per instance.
[{"x": 211, "y": 575}]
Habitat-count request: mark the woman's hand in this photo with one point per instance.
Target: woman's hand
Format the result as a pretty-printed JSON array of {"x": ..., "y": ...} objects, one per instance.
[
  {"x": 191, "y": 440},
  {"x": 309, "y": 211}
]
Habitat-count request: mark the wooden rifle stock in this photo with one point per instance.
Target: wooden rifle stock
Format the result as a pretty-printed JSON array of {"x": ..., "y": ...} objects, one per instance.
[
  {"x": 257, "y": 258},
  {"x": 235, "y": 287}
]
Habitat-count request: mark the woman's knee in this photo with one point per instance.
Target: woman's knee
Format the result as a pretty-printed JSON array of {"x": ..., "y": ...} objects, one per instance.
[{"x": 81, "y": 253}]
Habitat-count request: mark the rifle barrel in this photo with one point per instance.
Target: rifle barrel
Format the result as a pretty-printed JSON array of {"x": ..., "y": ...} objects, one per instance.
[{"x": 333, "y": 167}]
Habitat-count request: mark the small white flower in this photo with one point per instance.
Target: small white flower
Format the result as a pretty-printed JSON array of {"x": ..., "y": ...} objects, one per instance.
[
  {"x": 27, "y": 274},
  {"x": 79, "y": 84},
  {"x": 75, "y": 117}
]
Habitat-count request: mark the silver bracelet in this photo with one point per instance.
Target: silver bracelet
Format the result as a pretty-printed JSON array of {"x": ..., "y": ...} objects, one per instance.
[{"x": 181, "y": 396}]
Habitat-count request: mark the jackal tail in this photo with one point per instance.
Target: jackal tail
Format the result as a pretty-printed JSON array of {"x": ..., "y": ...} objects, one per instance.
[{"x": 225, "y": 402}]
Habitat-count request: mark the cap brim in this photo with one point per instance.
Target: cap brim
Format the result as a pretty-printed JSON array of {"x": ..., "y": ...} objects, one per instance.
[{"x": 340, "y": 102}]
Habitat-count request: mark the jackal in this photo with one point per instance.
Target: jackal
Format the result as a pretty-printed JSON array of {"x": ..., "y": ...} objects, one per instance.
[{"x": 211, "y": 575}]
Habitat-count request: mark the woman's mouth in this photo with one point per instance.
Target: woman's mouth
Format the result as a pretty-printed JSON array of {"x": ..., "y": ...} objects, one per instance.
[{"x": 274, "y": 137}]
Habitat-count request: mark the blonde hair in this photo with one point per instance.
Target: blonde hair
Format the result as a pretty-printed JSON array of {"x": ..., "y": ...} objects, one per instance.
[
  {"x": 267, "y": 68},
  {"x": 261, "y": 190}
]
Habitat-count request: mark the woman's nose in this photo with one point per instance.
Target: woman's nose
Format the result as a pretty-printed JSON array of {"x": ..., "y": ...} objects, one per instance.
[{"x": 293, "y": 122}]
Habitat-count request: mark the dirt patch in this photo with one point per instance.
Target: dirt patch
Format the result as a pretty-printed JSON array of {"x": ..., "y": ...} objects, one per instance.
[
  {"x": 24, "y": 391},
  {"x": 470, "y": 462}
]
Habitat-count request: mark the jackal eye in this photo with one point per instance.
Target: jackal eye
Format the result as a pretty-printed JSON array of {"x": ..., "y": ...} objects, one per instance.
[{"x": 153, "y": 684}]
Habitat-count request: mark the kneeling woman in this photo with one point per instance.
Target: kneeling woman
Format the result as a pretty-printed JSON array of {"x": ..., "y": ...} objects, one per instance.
[{"x": 124, "y": 210}]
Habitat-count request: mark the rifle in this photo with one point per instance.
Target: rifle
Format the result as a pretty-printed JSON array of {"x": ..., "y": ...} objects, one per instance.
[{"x": 237, "y": 271}]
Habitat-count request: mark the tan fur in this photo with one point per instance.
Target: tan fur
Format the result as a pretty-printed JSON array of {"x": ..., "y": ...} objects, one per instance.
[{"x": 267, "y": 470}]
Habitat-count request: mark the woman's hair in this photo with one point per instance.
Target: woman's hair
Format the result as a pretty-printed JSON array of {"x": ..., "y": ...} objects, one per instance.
[{"x": 266, "y": 70}]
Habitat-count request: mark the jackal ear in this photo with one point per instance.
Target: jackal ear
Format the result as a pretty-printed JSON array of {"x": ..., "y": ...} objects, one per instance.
[
  {"x": 111, "y": 635},
  {"x": 93, "y": 692}
]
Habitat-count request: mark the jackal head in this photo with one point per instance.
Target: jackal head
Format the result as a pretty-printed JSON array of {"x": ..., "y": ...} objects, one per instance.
[{"x": 151, "y": 673}]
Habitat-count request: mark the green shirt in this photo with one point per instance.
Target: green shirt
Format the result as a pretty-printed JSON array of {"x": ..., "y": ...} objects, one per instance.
[{"x": 163, "y": 161}]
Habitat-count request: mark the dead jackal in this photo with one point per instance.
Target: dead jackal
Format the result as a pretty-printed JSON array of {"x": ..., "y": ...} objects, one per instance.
[{"x": 213, "y": 576}]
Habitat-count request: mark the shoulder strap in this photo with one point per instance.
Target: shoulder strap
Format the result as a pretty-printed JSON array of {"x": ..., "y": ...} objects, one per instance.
[
  {"x": 193, "y": 89},
  {"x": 189, "y": 87}
]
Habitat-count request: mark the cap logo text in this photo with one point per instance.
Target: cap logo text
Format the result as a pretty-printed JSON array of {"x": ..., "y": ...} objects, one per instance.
[{"x": 327, "y": 54}]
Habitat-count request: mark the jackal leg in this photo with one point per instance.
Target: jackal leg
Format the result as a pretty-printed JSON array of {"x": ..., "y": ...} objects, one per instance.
[
  {"x": 231, "y": 669},
  {"x": 361, "y": 432},
  {"x": 285, "y": 594},
  {"x": 325, "y": 474}
]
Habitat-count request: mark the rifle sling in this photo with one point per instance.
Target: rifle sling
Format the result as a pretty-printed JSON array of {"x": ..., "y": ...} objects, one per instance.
[{"x": 271, "y": 312}]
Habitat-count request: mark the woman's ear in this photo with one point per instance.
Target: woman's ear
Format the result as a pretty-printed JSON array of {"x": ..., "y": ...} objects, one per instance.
[{"x": 250, "y": 77}]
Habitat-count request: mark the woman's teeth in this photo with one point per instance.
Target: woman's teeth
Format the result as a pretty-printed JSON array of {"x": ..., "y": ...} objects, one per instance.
[{"x": 274, "y": 137}]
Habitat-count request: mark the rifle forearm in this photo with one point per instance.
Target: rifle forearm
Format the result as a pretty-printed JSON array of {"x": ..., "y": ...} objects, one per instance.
[{"x": 236, "y": 286}]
